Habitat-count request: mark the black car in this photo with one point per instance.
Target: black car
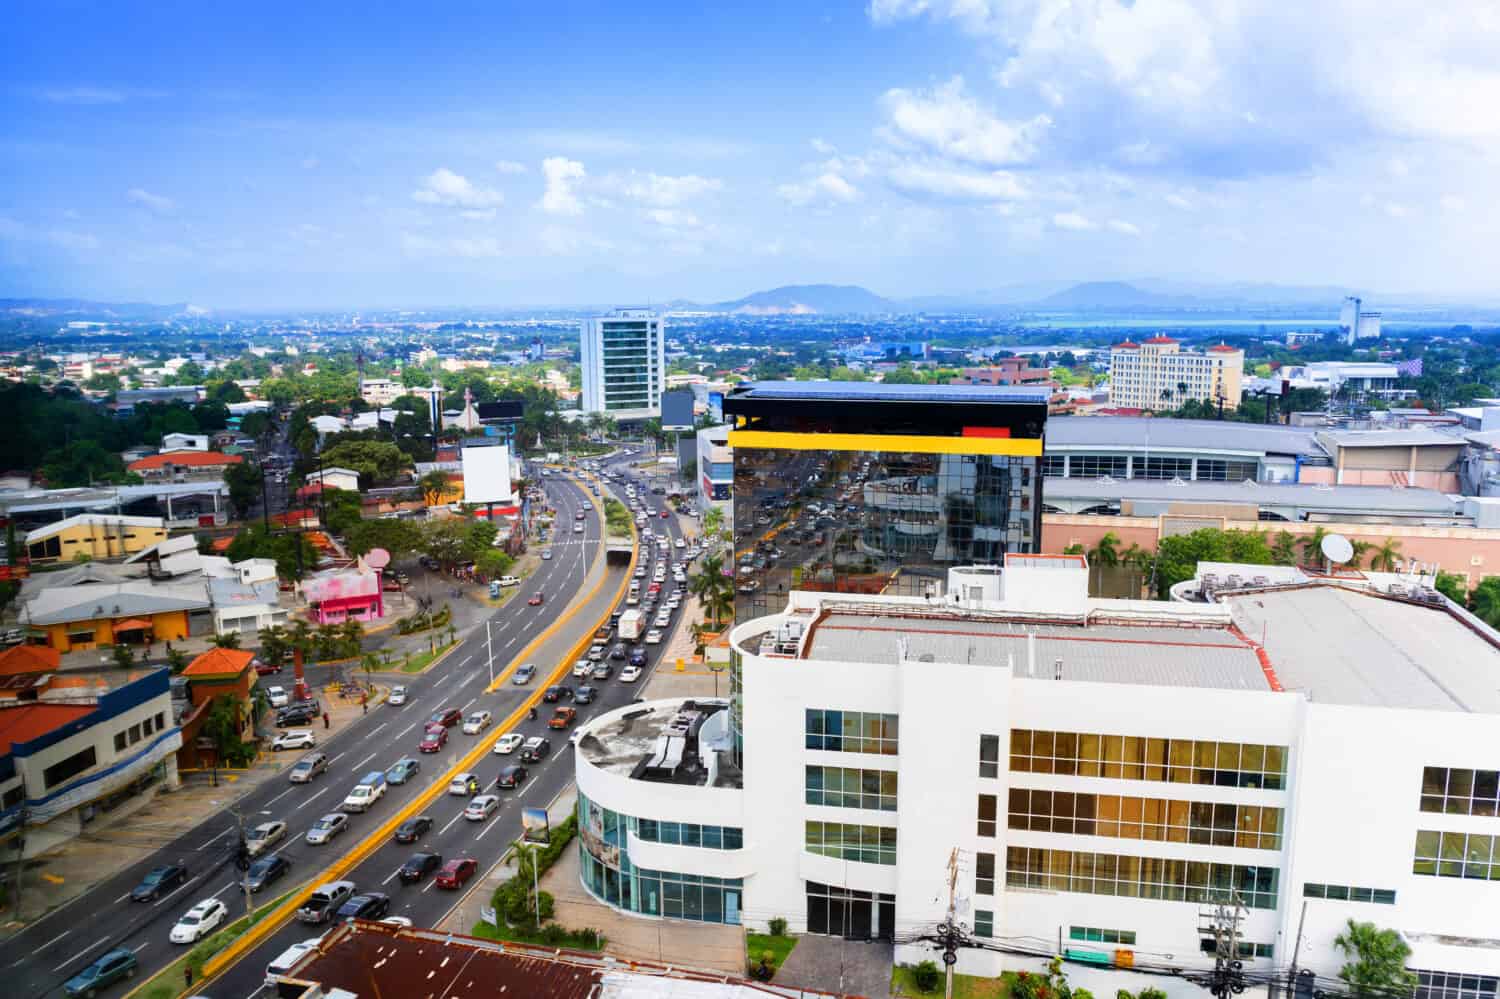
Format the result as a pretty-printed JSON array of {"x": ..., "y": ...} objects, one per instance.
[
  {"x": 266, "y": 870},
  {"x": 618, "y": 652},
  {"x": 512, "y": 776},
  {"x": 366, "y": 905},
  {"x": 638, "y": 656},
  {"x": 418, "y": 866},
  {"x": 560, "y": 692},
  {"x": 585, "y": 695},
  {"x": 159, "y": 882},
  {"x": 413, "y": 829},
  {"x": 294, "y": 716},
  {"x": 536, "y": 753}
]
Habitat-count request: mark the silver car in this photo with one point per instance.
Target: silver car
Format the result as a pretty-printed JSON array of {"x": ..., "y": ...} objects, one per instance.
[{"x": 327, "y": 828}]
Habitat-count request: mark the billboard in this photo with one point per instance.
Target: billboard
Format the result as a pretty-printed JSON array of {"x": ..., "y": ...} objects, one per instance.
[
  {"x": 677, "y": 410},
  {"x": 486, "y": 474},
  {"x": 716, "y": 407},
  {"x": 534, "y": 827}
]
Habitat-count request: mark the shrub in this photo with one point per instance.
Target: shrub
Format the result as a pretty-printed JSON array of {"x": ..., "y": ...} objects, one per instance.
[
  {"x": 778, "y": 927},
  {"x": 926, "y": 976}
]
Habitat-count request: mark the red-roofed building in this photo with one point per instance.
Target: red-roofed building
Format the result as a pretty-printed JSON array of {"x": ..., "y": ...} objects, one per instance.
[
  {"x": 213, "y": 674},
  {"x": 1126, "y": 345},
  {"x": 29, "y": 659},
  {"x": 1158, "y": 374},
  {"x": 184, "y": 465},
  {"x": 1162, "y": 338}
]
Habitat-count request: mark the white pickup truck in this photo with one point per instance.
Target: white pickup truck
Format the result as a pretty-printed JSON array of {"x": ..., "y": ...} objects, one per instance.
[{"x": 368, "y": 791}]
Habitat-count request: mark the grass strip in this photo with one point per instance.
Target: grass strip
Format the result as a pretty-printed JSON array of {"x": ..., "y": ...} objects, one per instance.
[{"x": 168, "y": 983}]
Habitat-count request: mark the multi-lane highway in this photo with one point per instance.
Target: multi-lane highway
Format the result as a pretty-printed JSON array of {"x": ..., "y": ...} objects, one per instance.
[{"x": 43, "y": 956}]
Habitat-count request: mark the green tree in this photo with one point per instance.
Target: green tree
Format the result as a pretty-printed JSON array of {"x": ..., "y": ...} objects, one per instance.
[
  {"x": 243, "y": 480},
  {"x": 1106, "y": 553},
  {"x": 433, "y": 485},
  {"x": 398, "y": 536},
  {"x": 227, "y": 640},
  {"x": 494, "y": 563},
  {"x": 341, "y": 510},
  {"x": 1284, "y": 549},
  {"x": 1386, "y": 555},
  {"x": 1177, "y": 557},
  {"x": 1312, "y": 546},
  {"x": 375, "y": 461},
  {"x": 275, "y": 645},
  {"x": 1376, "y": 964},
  {"x": 282, "y": 547},
  {"x": 177, "y": 661},
  {"x": 1484, "y": 601},
  {"x": 222, "y": 725},
  {"x": 714, "y": 590},
  {"x": 1451, "y": 585}
]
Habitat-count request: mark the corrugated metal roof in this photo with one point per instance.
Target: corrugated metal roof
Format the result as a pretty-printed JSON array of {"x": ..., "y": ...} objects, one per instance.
[
  {"x": 109, "y": 600},
  {"x": 881, "y": 392},
  {"x": 1391, "y": 438},
  {"x": 1136, "y": 432},
  {"x": 1351, "y": 498},
  {"x": 1347, "y": 647},
  {"x": 1164, "y": 656}
]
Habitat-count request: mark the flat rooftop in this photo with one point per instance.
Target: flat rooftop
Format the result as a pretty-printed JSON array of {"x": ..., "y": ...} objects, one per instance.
[
  {"x": 626, "y": 743},
  {"x": 881, "y": 392},
  {"x": 1353, "y": 499},
  {"x": 1156, "y": 655},
  {"x": 1343, "y": 646},
  {"x": 1135, "y": 432}
]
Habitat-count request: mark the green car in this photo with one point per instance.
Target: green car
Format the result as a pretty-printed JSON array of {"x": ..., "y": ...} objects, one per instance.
[{"x": 110, "y": 968}]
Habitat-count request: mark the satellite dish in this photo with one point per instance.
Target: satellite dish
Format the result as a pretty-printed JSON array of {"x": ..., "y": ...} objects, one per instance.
[
  {"x": 379, "y": 558},
  {"x": 1337, "y": 549}
]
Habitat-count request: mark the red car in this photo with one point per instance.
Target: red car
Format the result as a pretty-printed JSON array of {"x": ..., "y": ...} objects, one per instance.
[
  {"x": 433, "y": 739},
  {"x": 455, "y": 873},
  {"x": 447, "y": 717},
  {"x": 664, "y": 515},
  {"x": 266, "y": 669},
  {"x": 536, "y": 599}
]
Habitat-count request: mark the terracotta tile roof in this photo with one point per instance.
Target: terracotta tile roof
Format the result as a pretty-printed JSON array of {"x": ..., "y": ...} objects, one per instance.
[
  {"x": 26, "y": 723},
  {"x": 1162, "y": 338},
  {"x": 29, "y": 659},
  {"x": 185, "y": 459},
  {"x": 220, "y": 662},
  {"x": 1222, "y": 348},
  {"x": 1127, "y": 345}
]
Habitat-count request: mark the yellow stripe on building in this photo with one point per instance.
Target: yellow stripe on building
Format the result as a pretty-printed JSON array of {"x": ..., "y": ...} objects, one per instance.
[{"x": 912, "y": 443}]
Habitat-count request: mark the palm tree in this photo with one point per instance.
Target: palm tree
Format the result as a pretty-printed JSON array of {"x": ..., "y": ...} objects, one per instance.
[
  {"x": 274, "y": 645},
  {"x": 1377, "y": 960},
  {"x": 1386, "y": 555},
  {"x": 1360, "y": 548},
  {"x": 1106, "y": 553},
  {"x": 1312, "y": 545},
  {"x": 227, "y": 640},
  {"x": 301, "y": 637},
  {"x": 712, "y": 588}
]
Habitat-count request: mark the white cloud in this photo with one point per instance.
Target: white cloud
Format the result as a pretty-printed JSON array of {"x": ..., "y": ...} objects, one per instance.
[
  {"x": 826, "y": 187},
  {"x": 673, "y": 218},
  {"x": 452, "y": 190},
  {"x": 15, "y": 231},
  {"x": 510, "y": 167},
  {"x": 156, "y": 203},
  {"x": 562, "y": 177},
  {"x": 1072, "y": 221},
  {"x": 951, "y": 184},
  {"x": 822, "y": 147},
  {"x": 1395, "y": 210},
  {"x": 662, "y": 191},
  {"x": 1178, "y": 201},
  {"x": 945, "y": 120},
  {"x": 1123, "y": 228},
  {"x": 95, "y": 95}
]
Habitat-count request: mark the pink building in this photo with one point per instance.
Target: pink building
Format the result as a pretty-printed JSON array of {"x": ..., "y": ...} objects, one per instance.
[{"x": 345, "y": 595}]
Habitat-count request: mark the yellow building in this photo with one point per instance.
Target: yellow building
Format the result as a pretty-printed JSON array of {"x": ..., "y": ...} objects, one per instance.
[
  {"x": 82, "y": 617},
  {"x": 97, "y": 535},
  {"x": 1158, "y": 375}
]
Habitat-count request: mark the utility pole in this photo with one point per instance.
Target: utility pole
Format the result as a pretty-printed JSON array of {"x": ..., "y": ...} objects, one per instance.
[
  {"x": 1224, "y": 925},
  {"x": 949, "y": 935},
  {"x": 242, "y": 857},
  {"x": 1291, "y": 971}
]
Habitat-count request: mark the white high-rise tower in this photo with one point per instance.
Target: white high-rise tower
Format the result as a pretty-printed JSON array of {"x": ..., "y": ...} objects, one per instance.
[{"x": 624, "y": 363}]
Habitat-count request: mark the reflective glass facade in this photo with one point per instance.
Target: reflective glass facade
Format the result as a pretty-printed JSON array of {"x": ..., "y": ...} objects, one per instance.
[{"x": 607, "y": 872}]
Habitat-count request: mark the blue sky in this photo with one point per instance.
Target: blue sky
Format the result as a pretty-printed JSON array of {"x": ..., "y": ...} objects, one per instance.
[{"x": 507, "y": 153}]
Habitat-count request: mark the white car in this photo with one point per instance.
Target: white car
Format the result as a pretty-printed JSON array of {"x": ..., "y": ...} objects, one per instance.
[
  {"x": 460, "y": 784},
  {"x": 279, "y": 697},
  {"x": 508, "y": 742},
  {"x": 653, "y": 637},
  {"x": 630, "y": 674},
  {"x": 199, "y": 921},
  {"x": 640, "y": 572},
  {"x": 481, "y": 808},
  {"x": 680, "y": 543},
  {"x": 294, "y": 738},
  {"x": 664, "y": 619},
  {"x": 582, "y": 668},
  {"x": 264, "y": 836},
  {"x": 397, "y": 921},
  {"x": 398, "y": 696},
  {"x": 546, "y": 554},
  {"x": 477, "y": 722}
]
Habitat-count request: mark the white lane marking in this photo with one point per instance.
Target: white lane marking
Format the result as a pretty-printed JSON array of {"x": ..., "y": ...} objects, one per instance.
[
  {"x": 440, "y": 679},
  {"x": 362, "y": 762},
  {"x": 338, "y": 757},
  {"x": 406, "y": 730},
  {"x": 312, "y": 799},
  {"x": 55, "y": 939},
  {"x": 174, "y": 891},
  {"x": 466, "y": 706},
  {"x": 283, "y": 794},
  {"x": 488, "y": 825},
  {"x": 430, "y": 882},
  {"x": 209, "y": 842},
  {"x": 232, "y": 884},
  {"x": 466, "y": 660},
  {"x": 395, "y": 873},
  {"x": 96, "y": 943},
  {"x": 450, "y": 823},
  {"x": 140, "y": 947},
  {"x": 372, "y": 731}
]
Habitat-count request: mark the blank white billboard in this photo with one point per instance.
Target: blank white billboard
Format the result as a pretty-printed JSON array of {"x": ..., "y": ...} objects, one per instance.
[{"x": 486, "y": 474}]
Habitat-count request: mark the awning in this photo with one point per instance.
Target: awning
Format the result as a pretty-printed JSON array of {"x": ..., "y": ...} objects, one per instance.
[{"x": 131, "y": 624}]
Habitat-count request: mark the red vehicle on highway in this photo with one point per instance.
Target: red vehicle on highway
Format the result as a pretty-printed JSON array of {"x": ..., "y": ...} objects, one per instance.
[
  {"x": 455, "y": 872},
  {"x": 434, "y": 739},
  {"x": 536, "y": 599}
]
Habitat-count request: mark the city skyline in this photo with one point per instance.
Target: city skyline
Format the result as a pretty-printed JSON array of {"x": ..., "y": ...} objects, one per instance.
[{"x": 581, "y": 155}]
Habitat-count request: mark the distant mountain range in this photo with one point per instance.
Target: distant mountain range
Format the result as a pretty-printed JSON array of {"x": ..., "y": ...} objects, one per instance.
[
  {"x": 85, "y": 310},
  {"x": 809, "y": 299}
]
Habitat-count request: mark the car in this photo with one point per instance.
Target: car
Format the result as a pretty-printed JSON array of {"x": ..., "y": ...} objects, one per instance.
[
  {"x": 366, "y": 905},
  {"x": 433, "y": 739},
  {"x": 749, "y": 586},
  {"x": 508, "y": 742},
  {"x": 446, "y": 717},
  {"x": 618, "y": 652},
  {"x": 603, "y": 671},
  {"x": 418, "y": 866},
  {"x": 305, "y": 769},
  {"x": 159, "y": 881},
  {"x": 559, "y": 692},
  {"x": 477, "y": 722},
  {"x": 370, "y": 789},
  {"x": 278, "y": 696},
  {"x": 455, "y": 872},
  {"x": 536, "y": 599},
  {"x": 596, "y": 653},
  {"x": 199, "y": 921},
  {"x": 630, "y": 674},
  {"x": 679, "y": 543},
  {"x": 397, "y": 696},
  {"x": 397, "y": 921},
  {"x": 546, "y": 554},
  {"x": 110, "y": 967},
  {"x": 653, "y": 637},
  {"x": 663, "y": 619},
  {"x": 462, "y": 783},
  {"x": 481, "y": 807},
  {"x": 297, "y": 738},
  {"x": 325, "y": 901},
  {"x": 264, "y": 836},
  {"x": 585, "y": 695},
  {"x": 296, "y": 714},
  {"x": 326, "y": 828},
  {"x": 579, "y": 515},
  {"x": 523, "y": 674},
  {"x": 413, "y": 829},
  {"x": 582, "y": 667},
  {"x": 577, "y": 528},
  {"x": 653, "y": 589},
  {"x": 562, "y": 718},
  {"x": 266, "y": 870},
  {"x": 535, "y": 749},
  {"x": 402, "y": 770},
  {"x": 508, "y": 581},
  {"x": 512, "y": 776},
  {"x": 262, "y": 668},
  {"x": 665, "y": 514},
  {"x": 640, "y": 572},
  {"x": 638, "y": 656}
]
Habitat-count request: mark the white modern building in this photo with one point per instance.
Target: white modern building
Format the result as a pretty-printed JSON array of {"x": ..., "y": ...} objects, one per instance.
[
  {"x": 1101, "y": 772},
  {"x": 715, "y": 471},
  {"x": 624, "y": 363},
  {"x": 380, "y": 391},
  {"x": 1355, "y": 324}
]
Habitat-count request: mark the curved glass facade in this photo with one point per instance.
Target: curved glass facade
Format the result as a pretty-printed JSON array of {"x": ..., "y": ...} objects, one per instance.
[{"x": 609, "y": 875}]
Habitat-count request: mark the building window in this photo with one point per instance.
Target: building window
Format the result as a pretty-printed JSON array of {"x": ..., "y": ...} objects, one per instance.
[
  {"x": 1090, "y": 934},
  {"x": 989, "y": 756},
  {"x": 119, "y": 742},
  {"x": 843, "y": 787},
  {"x": 987, "y": 807},
  {"x": 1460, "y": 791},
  {"x": 984, "y": 874},
  {"x": 865, "y": 844},
  {"x": 1254, "y": 827},
  {"x": 1219, "y": 470},
  {"x": 1245, "y": 948},
  {"x": 852, "y": 731},
  {"x": 80, "y": 637},
  {"x": 1456, "y": 855},
  {"x": 1345, "y": 893},
  {"x": 74, "y": 765},
  {"x": 161, "y": 721},
  {"x": 135, "y": 734},
  {"x": 1129, "y": 757},
  {"x": 984, "y": 923},
  {"x": 1453, "y": 985},
  {"x": 1165, "y": 468},
  {"x": 1097, "y": 466},
  {"x": 1139, "y": 877},
  {"x": 1054, "y": 466},
  {"x": 689, "y": 834}
]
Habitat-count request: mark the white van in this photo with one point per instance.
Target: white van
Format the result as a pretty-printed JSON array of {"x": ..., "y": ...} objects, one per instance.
[
  {"x": 284, "y": 962},
  {"x": 510, "y": 580}
]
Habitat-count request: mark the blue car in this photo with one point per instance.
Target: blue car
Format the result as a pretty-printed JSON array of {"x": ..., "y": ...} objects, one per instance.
[
  {"x": 402, "y": 770},
  {"x": 113, "y": 966},
  {"x": 638, "y": 656}
]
